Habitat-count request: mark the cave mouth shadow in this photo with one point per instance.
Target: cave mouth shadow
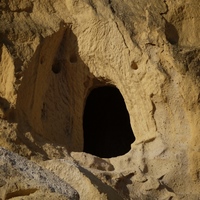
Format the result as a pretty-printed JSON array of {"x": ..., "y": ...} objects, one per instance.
[{"x": 106, "y": 123}]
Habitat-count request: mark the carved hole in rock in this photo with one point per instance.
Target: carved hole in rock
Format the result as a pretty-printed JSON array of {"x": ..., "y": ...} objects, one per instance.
[
  {"x": 106, "y": 124},
  {"x": 134, "y": 65},
  {"x": 56, "y": 67},
  {"x": 171, "y": 33}
]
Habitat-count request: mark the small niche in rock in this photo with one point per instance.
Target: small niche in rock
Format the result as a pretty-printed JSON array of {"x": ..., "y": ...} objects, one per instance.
[
  {"x": 106, "y": 124},
  {"x": 134, "y": 65},
  {"x": 171, "y": 33},
  {"x": 56, "y": 67}
]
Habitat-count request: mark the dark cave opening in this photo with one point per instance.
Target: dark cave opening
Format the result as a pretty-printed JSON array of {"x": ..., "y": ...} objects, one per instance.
[{"x": 106, "y": 124}]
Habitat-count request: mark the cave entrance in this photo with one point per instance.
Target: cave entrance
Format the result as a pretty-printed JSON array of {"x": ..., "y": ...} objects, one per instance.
[{"x": 106, "y": 124}]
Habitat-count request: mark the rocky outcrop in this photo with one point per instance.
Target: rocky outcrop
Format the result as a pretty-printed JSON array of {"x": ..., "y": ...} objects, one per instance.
[
  {"x": 54, "y": 53},
  {"x": 21, "y": 178}
]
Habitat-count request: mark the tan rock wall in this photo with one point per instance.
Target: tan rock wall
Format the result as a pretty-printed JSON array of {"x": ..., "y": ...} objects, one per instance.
[{"x": 52, "y": 54}]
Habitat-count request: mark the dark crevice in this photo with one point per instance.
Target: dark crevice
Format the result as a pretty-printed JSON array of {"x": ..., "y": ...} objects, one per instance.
[
  {"x": 164, "y": 186},
  {"x": 163, "y": 70},
  {"x": 106, "y": 124},
  {"x": 111, "y": 7},
  {"x": 167, "y": 9},
  {"x": 93, "y": 5},
  {"x": 20, "y": 193},
  {"x": 153, "y": 108},
  {"x": 121, "y": 35}
]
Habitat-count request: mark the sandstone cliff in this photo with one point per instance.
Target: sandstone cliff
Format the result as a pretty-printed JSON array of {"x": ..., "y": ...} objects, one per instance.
[{"x": 53, "y": 54}]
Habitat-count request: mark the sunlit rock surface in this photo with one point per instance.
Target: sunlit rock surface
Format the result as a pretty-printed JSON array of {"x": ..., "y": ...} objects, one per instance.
[{"x": 54, "y": 54}]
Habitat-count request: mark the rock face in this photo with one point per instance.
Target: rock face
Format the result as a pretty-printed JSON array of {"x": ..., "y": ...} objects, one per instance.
[
  {"x": 54, "y": 54},
  {"x": 21, "y": 178}
]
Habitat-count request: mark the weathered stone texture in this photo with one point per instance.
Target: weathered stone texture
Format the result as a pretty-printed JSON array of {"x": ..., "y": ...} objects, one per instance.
[{"x": 54, "y": 53}]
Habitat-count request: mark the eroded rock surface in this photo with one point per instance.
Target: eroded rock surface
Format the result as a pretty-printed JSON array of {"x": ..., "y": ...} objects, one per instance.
[
  {"x": 21, "y": 178},
  {"x": 54, "y": 53}
]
